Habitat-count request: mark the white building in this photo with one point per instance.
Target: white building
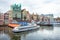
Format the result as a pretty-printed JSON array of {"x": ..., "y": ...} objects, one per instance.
[{"x": 47, "y": 18}]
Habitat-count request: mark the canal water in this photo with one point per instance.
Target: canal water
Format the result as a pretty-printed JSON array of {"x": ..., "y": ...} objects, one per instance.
[{"x": 43, "y": 33}]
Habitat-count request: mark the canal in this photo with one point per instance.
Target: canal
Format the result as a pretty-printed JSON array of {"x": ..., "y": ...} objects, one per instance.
[{"x": 43, "y": 33}]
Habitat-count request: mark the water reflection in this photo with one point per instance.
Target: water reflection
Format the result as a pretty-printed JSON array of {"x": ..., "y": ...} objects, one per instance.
[
  {"x": 43, "y": 33},
  {"x": 50, "y": 28},
  {"x": 4, "y": 36},
  {"x": 35, "y": 34},
  {"x": 57, "y": 25},
  {"x": 22, "y": 35}
]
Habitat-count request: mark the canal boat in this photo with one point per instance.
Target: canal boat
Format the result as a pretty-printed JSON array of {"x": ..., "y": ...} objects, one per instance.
[{"x": 25, "y": 28}]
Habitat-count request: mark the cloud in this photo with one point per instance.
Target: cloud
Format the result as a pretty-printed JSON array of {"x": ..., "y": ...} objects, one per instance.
[
  {"x": 48, "y": 1},
  {"x": 4, "y": 5},
  {"x": 36, "y": 6},
  {"x": 44, "y": 6}
]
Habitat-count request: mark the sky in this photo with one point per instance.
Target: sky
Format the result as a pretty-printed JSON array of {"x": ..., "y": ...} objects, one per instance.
[{"x": 36, "y": 6}]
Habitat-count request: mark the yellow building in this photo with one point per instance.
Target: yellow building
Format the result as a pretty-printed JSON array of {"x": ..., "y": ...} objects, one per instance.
[{"x": 25, "y": 15}]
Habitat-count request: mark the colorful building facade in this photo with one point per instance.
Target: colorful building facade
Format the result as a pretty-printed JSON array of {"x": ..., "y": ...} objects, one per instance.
[
  {"x": 8, "y": 17},
  {"x": 1, "y": 18}
]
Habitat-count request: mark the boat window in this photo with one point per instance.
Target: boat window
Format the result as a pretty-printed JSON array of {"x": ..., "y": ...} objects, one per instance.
[{"x": 25, "y": 28}]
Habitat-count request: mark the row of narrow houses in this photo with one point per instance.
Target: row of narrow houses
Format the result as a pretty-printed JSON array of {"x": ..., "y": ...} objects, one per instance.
[
  {"x": 21, "y": 14},
  {"x": 18, "y": 14},
  {"x": 7, "y": 17}
]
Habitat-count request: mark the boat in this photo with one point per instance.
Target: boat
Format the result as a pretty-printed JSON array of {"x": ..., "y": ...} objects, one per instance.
[
  {"x": 12, "y": 25},
  {"x": 44, "y": 24},
  {"x": 25, "y": 28}
]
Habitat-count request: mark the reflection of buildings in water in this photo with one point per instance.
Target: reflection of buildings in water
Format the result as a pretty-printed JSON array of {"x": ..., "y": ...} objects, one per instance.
[
  {"x": 21, "y": 35},
  {"x": 4, "y": 36},
  {"x": 57, "y": 25},
  {"x": 46, "y": 28},
  {"x": 13, "y": 36},
  {"x": 17, "y": 36},
  {"x": 25, "y": 34}
]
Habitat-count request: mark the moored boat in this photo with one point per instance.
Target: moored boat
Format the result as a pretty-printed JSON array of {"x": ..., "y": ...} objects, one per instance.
[
  {"x": 44, "y": 24},
  {"x": 12, "y": 25},
  {"x": 25, "y": 28}
]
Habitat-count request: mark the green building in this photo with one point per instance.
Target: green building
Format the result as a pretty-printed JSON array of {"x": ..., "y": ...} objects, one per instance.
[{"x": 16, "y": 8}]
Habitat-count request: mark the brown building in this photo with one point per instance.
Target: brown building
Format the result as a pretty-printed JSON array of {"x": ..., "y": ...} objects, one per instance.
[
  {"x": 35, "y": 17},
  {"x": 28, "y": 16},
  {"x": 57, "y": 19}
]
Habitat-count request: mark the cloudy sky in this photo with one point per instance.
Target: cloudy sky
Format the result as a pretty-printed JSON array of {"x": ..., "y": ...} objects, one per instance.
[{"x": 36, "y": 6}]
